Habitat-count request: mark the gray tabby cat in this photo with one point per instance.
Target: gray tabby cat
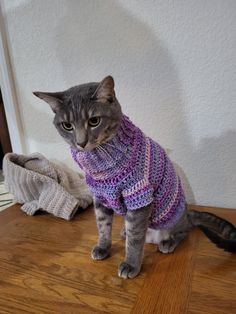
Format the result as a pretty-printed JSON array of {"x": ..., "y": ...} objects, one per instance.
[{"x": 89, "y": 118}]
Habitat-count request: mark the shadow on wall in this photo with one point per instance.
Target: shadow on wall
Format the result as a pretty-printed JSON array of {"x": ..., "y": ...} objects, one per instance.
[
  {"x": 185, "y": 184},
  {"x": 108, "y": 40},
  {"x": 94, "y": 38},
  {"x": 216, "y": 169}
]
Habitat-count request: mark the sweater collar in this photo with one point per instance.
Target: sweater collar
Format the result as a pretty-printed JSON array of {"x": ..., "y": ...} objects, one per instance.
[{"x": 111, "y": 157}]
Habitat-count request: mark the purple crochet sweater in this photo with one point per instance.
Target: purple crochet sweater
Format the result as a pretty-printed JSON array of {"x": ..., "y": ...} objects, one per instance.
[{"x": 132, "y": 171}]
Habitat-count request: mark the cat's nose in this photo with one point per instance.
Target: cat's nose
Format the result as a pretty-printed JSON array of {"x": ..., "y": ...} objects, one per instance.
[{"x": 82, "y": 144}]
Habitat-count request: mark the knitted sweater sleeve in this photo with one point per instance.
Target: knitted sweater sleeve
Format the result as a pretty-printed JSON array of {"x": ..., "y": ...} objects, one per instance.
[{"x": 138, "y": 195}]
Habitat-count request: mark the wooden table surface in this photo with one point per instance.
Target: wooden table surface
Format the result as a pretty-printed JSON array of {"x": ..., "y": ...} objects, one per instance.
[{"x": 45, "y": 267}]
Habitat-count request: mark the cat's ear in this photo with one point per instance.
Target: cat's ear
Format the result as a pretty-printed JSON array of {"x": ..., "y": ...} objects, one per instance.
[
  {"x": 55, "y": 100},
  {"x": 105, "y": 91}
]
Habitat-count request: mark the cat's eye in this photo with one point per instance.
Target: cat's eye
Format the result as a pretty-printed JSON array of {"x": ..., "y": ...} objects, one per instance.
[
  {"x": 67, "y": 126},
  {"x": 94, "y": 121}
]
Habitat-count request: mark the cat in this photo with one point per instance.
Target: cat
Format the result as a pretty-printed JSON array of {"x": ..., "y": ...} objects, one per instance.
[{"x": 129, "y": 174}]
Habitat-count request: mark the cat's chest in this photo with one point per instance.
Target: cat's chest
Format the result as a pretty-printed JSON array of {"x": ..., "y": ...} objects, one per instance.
[
  {"x": 108, "y": 193},
  {"x": 111, "y": 187}
]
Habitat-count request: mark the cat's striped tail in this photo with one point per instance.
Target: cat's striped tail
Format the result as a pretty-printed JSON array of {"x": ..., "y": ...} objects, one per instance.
[{"x": 218, "y": 230}]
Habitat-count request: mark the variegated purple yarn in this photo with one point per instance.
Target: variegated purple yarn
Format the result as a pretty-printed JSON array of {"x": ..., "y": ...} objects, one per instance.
[{"x": 131, "y": 171}]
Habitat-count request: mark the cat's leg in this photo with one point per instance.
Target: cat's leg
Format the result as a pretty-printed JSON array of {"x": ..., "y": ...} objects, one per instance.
[
  {"x": 175, "y": 235},
  {"x": 104, "y": 217},
  {"x": 169, "y": 245},
  {"x": 136, "y": 224}
]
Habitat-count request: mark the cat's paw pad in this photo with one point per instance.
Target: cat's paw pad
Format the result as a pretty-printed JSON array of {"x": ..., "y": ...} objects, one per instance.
[
  {"x": 99, "y": 253},
  {"x": 126, "y": 270},
  {"x": 167, "y": 246}
]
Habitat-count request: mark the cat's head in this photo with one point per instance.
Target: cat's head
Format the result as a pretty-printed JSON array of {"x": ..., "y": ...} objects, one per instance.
[{"x": 86, "y": 115}]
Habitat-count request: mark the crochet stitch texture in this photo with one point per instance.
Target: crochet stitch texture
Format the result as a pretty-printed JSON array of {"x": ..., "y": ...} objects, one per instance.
[
  {"x": 131, "y": 171},
  {"x": 40, "y": 184}
]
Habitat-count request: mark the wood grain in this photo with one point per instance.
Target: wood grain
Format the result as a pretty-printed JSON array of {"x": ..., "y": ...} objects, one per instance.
[{"x": 45, "y": 267}]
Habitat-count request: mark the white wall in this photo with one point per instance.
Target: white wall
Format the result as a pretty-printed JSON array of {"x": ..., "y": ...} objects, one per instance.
[{"x": 174, "y": 67}]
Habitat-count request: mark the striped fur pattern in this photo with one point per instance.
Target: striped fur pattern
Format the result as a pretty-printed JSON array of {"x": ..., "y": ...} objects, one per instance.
[
  {"x": 129, "y": 174},
  {"x": 218, "y": 230},
  {"x": 77, "y": 105}
]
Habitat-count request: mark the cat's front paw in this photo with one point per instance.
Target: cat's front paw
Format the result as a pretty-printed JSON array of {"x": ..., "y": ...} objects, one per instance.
[
  {"x": 99, "y": 253},
  {"x": 126, "y": 270}
]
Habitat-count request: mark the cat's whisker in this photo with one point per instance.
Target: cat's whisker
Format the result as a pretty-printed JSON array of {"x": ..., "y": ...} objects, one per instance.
[
  {"x": 110, "y": 145},
  {"x": 103, "y": 150},
  {"x": 99, "y": 148}
]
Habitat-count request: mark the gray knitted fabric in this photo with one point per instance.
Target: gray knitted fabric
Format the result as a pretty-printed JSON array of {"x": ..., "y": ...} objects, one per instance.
[{"x": 38, "y": 183}]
